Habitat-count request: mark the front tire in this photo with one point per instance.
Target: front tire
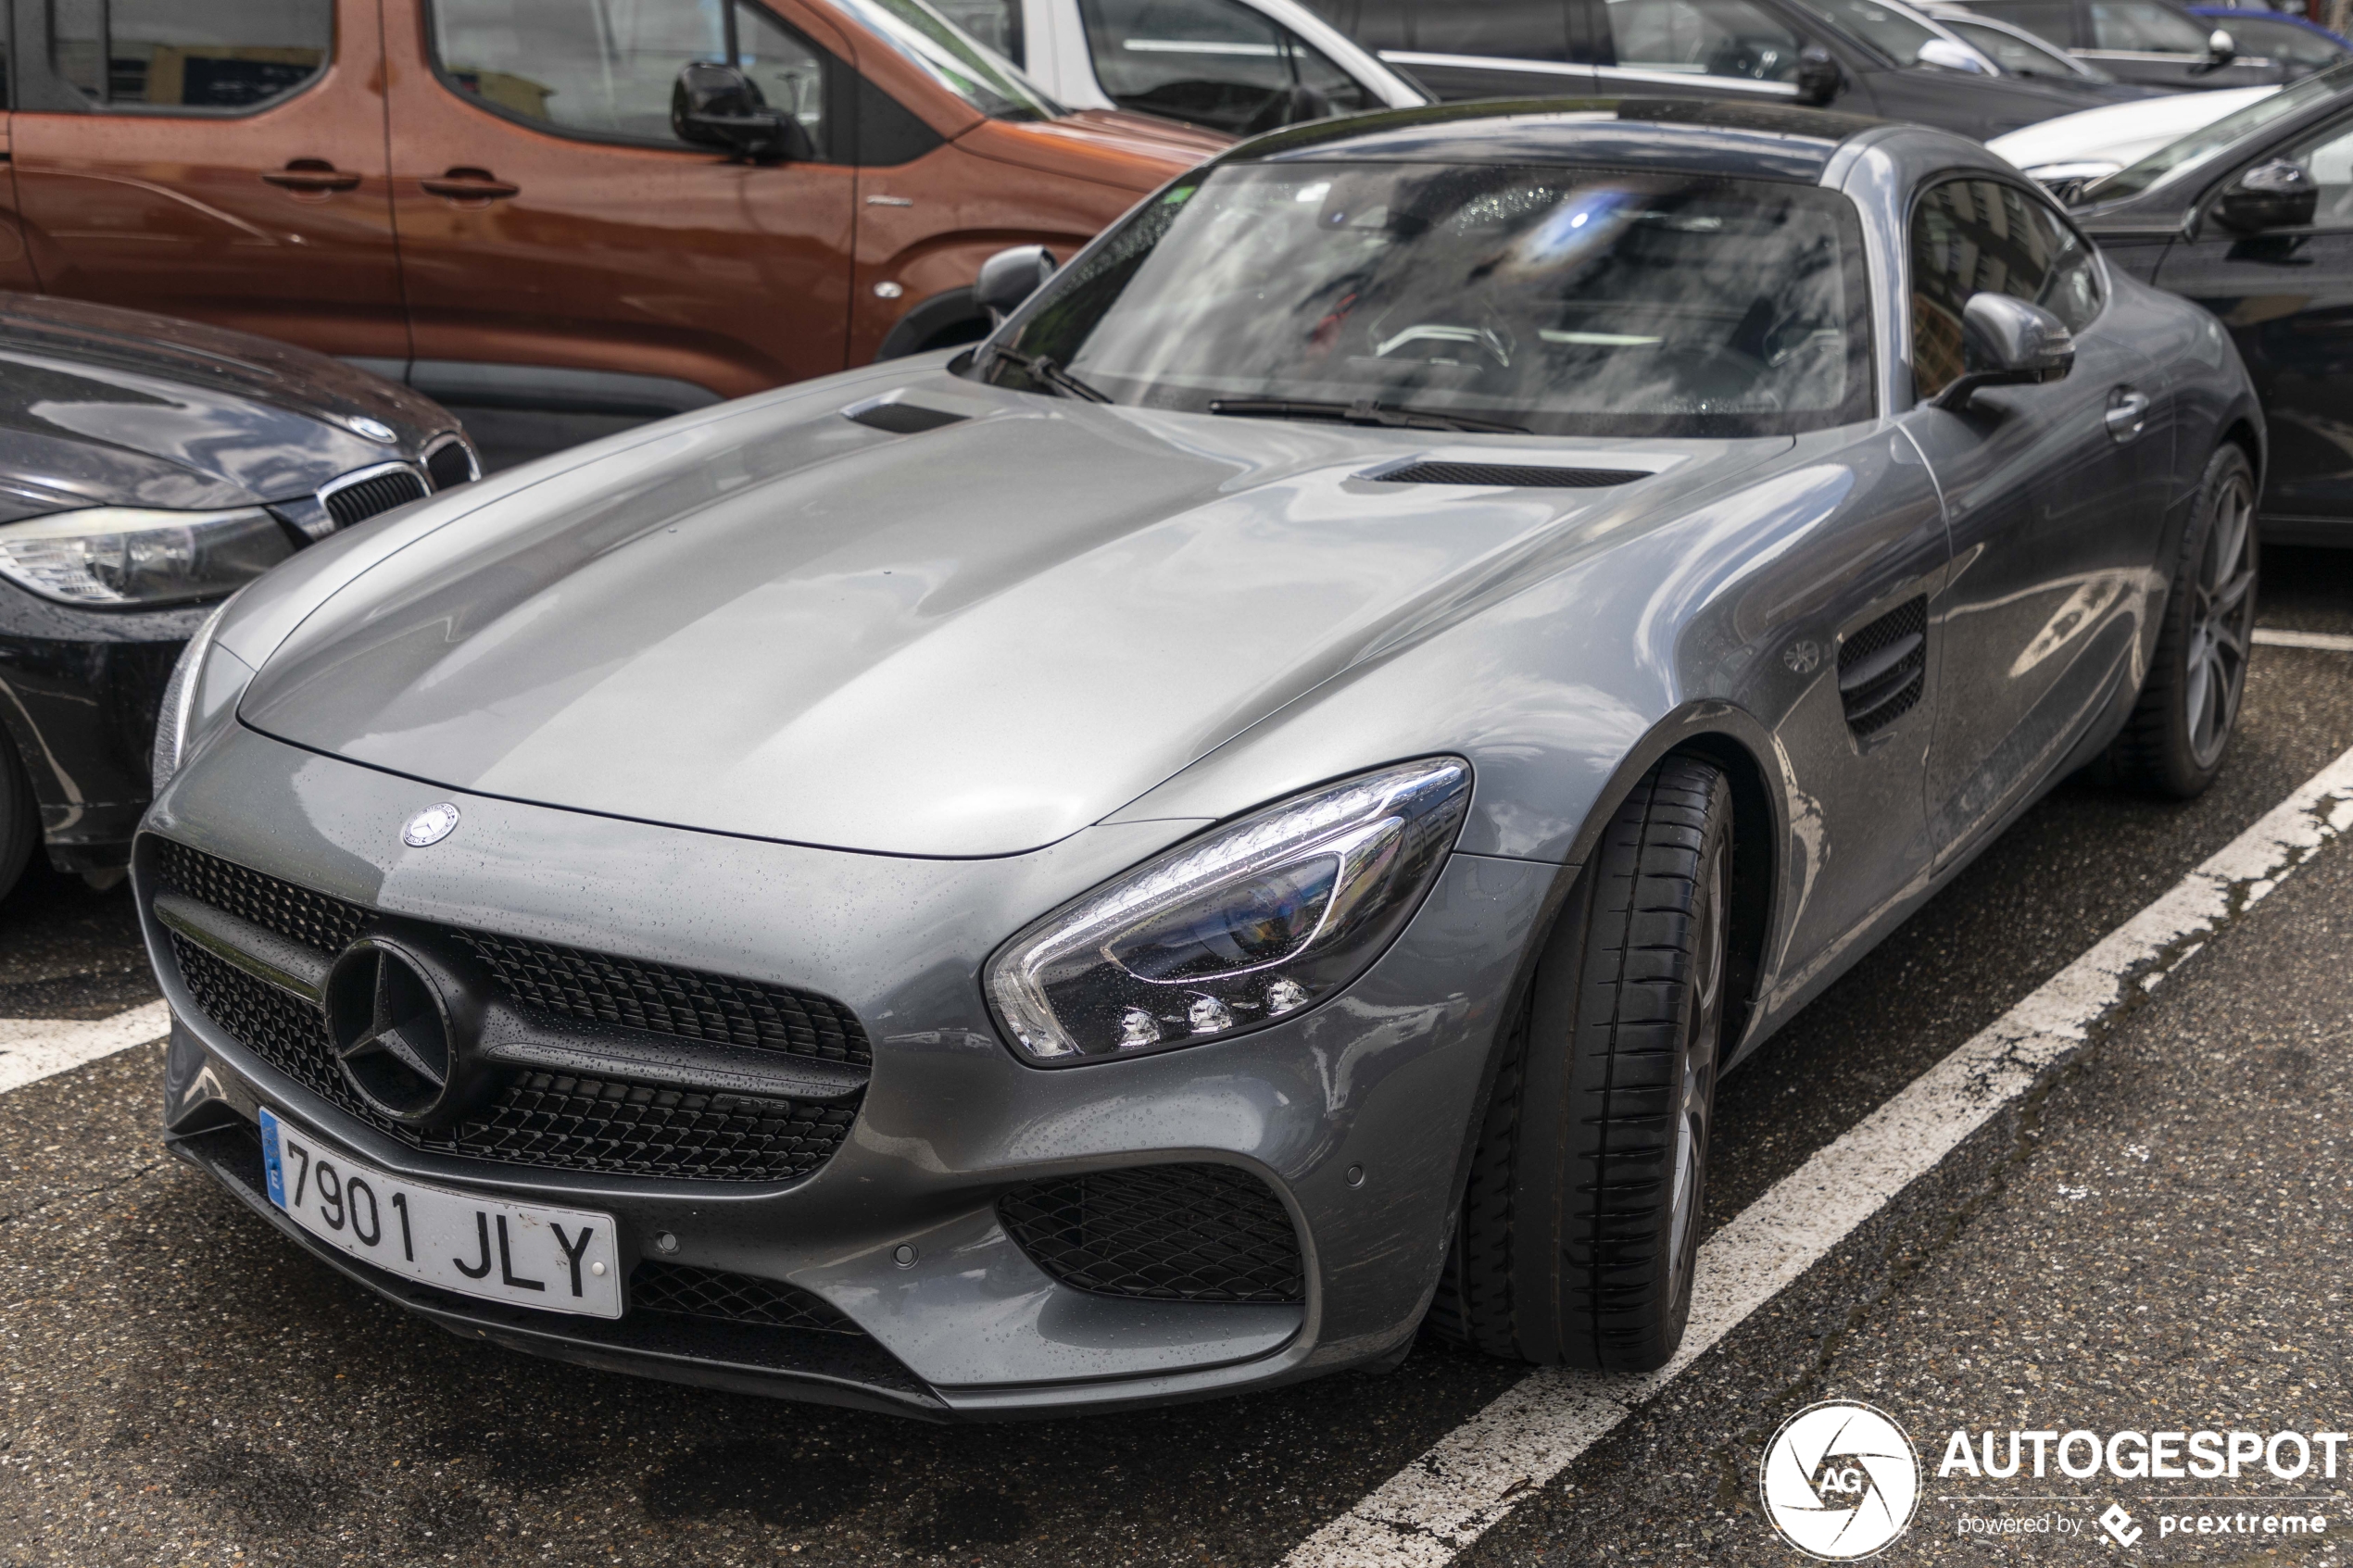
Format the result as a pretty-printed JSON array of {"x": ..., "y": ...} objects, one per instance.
[
  {"x": 2181, "y": 727},
  {"x": 1580, "y": 1227}
]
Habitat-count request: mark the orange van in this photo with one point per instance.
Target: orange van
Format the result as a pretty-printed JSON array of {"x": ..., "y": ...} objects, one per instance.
[{"x": 489, "y": 199}]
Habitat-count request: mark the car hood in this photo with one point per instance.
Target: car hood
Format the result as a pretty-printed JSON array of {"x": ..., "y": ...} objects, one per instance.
[
  {"x": 101, "y": 407},
  {"x": 2121, "y": 132},
  {"x": 971, "y": 641}
]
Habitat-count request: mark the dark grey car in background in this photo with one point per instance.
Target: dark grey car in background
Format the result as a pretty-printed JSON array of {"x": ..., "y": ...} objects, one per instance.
[
  {"x": 1150, "y": 858},
  {"x": 148, "y": 468}
]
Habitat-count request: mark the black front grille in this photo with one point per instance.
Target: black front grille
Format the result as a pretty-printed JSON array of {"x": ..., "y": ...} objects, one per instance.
[
  {"x": 379, "y": 493},
  {"x": 1883, "y": 668},
  {"x": 705, "y": 1293},
  {"x": 1163, "y": 1233},
  {"x": 450, "y": 464},
  {"x": 1522, "y": 476},
  {"x": 297, "y": 913},
  {"x": 556, "y": 1122},
  {"x": 593, "y": 987}
]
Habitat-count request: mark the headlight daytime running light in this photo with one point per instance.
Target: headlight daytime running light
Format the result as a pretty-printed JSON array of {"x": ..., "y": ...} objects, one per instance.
[
  {"x": 1250, "y": 924},
  {"x": 108, "y": 557},
  {"x": 180, "y": 697}
]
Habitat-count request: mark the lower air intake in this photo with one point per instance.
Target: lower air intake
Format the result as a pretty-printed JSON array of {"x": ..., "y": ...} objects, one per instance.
[
  {"x": 707, "y": 1293},
  {"x": 1161, "y": 1233},
  {"x": 1516, "y": 476}
]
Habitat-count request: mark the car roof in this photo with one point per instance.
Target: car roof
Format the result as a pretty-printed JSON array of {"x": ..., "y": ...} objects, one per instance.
[{"x": 1690, "y": 136}]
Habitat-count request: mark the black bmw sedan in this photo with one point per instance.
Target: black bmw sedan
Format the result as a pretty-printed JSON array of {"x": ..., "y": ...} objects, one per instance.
[
  {"x": 149, "y": 469},
  {"x": 2253, "y": 219}
]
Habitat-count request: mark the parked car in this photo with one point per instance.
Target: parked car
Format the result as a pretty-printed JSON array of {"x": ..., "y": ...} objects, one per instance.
[
  {"x": 2252, "y": 218},
  {"x": 489, "y": 199},
  {"x": 2300, "y": 47},
  {"x": 2016, "y": 52},
  {"x": 1856, "y": 56},
  {"x": 2154, "y": 42},
  {"x": 1236, "y": 66},
  {"x": 1003, "y": 882},
  {"x": 2070, "y": 152},
  {"x": 148, "y": 468}
]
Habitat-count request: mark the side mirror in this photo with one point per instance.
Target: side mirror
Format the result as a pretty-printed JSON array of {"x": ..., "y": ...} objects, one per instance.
[
  {"x": 1010, "y": 276},
  {"x": 1819, "y": 77},
  {"x": 2006, "y": 342},
  {"x": 2220, "y": 50},
  {"x": 719, "y": 107},
  {"x": 1953, "y": 56},
  {"x": 2278, "y": 194}
]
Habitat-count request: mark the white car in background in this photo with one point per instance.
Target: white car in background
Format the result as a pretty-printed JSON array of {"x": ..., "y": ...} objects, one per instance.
[
  {"x": 2070, "y": 152},
  {"x": 1236, "y": 66}
]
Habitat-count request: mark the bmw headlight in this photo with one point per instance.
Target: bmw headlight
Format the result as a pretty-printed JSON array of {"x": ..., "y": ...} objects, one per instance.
[
  {"x": 1252, "y": 923},
  {"x": 134, "y": 556}
]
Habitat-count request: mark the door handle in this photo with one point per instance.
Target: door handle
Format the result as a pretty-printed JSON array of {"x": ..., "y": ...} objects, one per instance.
[
  {"x": 311, "y": 174},
  {"x": 469, "y": 185},
  {"x": 2128, "y": 413}
]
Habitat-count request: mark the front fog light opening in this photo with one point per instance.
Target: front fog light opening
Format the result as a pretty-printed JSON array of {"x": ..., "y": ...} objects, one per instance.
[{"x": 1247, "y": 924}]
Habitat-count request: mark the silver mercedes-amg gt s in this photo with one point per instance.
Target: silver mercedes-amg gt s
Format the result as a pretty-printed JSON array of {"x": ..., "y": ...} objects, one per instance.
[{"x": 1245, "y": 815}]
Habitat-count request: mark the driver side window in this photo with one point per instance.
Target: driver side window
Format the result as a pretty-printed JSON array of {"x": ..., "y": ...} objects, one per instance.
[
  {"x": 1701, "y": 38},
  {"x": 1211, "y": 62},
  {"x": 604, "y": 69},
  {"x": 1972, "y": 236}
]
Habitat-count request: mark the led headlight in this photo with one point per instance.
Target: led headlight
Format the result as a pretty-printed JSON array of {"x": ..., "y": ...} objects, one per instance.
[
  {"x": 1252, "y": 923},
  {"x": 131, "y": 556}
]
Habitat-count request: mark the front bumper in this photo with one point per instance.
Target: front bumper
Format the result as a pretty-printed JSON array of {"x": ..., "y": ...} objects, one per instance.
[{"x": 1383, "y": 1081}]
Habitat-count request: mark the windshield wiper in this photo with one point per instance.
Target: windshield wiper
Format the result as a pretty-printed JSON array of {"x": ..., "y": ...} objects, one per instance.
[
  {"x": 1394, "y": 415},
  {"x": 1047, "y": 372}
]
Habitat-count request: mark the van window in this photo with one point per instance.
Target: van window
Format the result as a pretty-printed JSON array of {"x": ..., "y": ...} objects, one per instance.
[
  {"x": 1516, "y": 30},
  {"x": 994, "y": 22},
  {"x": 1212, "y": 62},
  {"x": 1973, "y": 236},
  {"x": 223, "y": 55},
  {"x": 1701, "y": 38},
  {"x": 605, "y": 67},
  {"x": 2143, "y": 27},
  {"x": 2054, "y": 20}
]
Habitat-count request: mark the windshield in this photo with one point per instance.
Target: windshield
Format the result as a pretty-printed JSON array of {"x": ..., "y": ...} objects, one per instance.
[
  {"x": 1890, "y": 32},
  {"x": 952, "y": 57},
  {"x": 2202, "y": 147},
  {"x": 1562, "y": 301}
]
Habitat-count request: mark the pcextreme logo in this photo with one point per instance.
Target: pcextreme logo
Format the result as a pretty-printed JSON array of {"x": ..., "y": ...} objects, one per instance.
[{"x": 1840, "y": 1480}]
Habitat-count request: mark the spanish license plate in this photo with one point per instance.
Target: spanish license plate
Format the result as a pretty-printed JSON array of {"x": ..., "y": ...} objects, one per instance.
[{"x": 525, "y": 1254}]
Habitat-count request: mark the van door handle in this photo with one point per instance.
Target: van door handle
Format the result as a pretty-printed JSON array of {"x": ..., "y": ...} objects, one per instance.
[
  {"x": 311, "y": 174},
  {"x": 2128, "y": 413},
  {"x": 469, "y": 185}
]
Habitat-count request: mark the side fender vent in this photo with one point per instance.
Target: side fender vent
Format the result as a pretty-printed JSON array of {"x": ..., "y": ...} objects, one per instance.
[
  {"x": 1518, "y": 476},
  {"x": 901, "y": 418},
  {"x": 1883, "y": 668}
]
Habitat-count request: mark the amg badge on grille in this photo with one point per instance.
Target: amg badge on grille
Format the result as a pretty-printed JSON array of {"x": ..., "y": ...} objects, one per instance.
[{"x": 430, "y": 826}]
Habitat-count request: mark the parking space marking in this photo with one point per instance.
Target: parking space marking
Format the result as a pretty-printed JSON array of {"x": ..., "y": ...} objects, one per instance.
[
  {"x": 1432, "y": 1510},
  {"x": 2328, "y": 642},
  {"x": 35, "y": 1048}
]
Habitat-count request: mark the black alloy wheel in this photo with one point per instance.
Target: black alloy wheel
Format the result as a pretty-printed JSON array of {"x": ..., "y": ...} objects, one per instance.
[
  {"x": 1581, "y": 1225},
  {"x": 2181, "y": 727}
]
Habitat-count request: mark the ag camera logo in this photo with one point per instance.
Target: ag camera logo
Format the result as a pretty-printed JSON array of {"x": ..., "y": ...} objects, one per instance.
[{"x": 1840, "y": 1480}]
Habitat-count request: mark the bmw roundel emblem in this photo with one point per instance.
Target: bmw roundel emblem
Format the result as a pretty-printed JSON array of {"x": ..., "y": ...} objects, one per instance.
[
  {"x": 430, "y": 826},
  {"x": 374, "y": 430}
]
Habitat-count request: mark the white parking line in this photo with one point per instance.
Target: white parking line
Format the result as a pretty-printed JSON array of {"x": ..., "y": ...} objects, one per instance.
[
  {"x": 1438, "y": 1505},
  {"x": 35, "y": 1048},
  {"x": 2328, "y": 642}
]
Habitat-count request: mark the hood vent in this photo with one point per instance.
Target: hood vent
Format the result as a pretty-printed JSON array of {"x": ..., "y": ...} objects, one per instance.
[
  {"x": 901, "y": 418},
  {"x": 1518, "y": 476},
  {"x": 1883, "y": 669}
]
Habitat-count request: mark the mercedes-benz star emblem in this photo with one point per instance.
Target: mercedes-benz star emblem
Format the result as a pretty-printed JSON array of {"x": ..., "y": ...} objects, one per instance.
[
  {"x": 391, "y": 1028},
  {"x": 430, "y": 826},
  {"x": 375, "y": 430}
]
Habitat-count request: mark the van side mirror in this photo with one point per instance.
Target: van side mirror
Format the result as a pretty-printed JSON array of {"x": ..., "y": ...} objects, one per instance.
[
  {"x": 1819, "y": 77},
  {"x": 719, "y": 107},
  {"x": 1010, "y": 276},
  {"x": 2006, "y": 342},
  {"x": 2220, "y": 50},
  {"x": 2278, "y": 194}
]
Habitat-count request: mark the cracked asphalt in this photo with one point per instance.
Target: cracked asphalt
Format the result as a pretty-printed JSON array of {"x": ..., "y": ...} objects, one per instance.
[{"x": 2155, "y": 1239}]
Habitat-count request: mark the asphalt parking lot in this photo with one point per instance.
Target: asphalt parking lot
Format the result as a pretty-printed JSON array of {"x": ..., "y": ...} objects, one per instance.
[{"x": 2153, "y": 1238}]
